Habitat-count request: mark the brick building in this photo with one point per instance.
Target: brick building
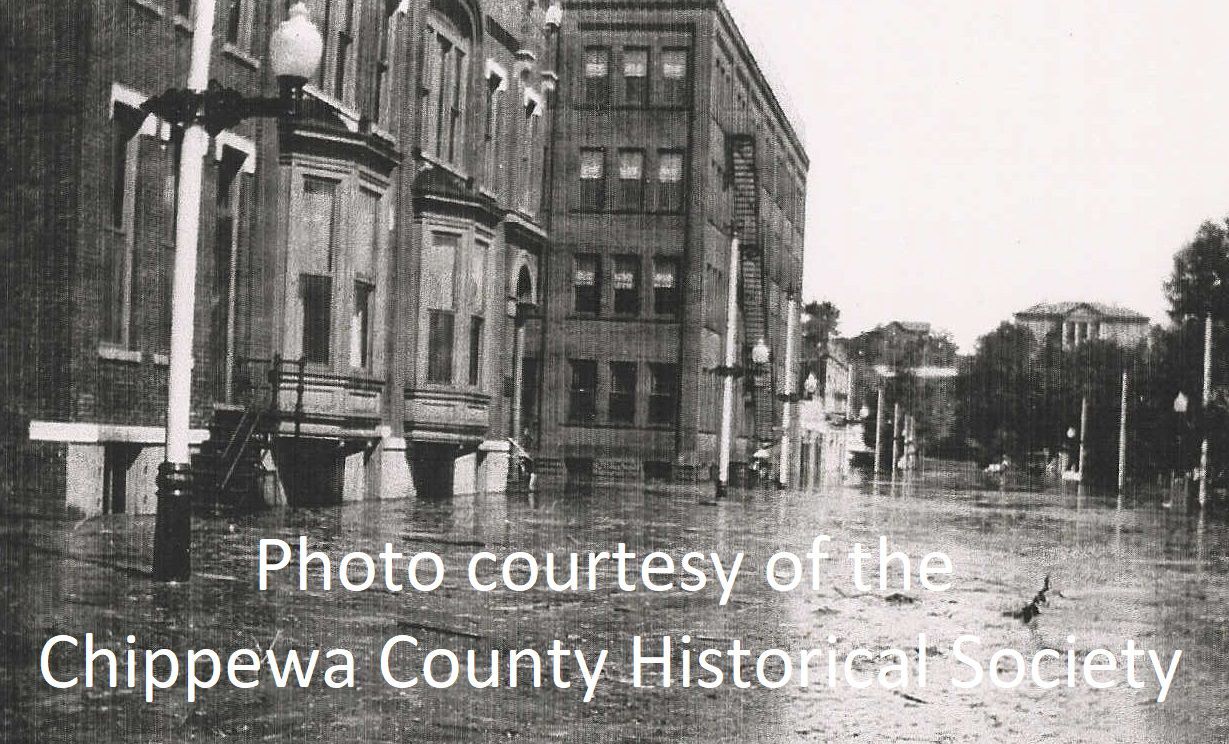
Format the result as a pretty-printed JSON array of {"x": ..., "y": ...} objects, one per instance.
[
  {"x": 661, "y": 105},
  {"x": 362, "y": 268}
]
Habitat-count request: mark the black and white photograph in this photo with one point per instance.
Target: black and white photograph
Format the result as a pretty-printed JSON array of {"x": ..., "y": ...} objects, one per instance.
[{"x": 614, "y": 371}]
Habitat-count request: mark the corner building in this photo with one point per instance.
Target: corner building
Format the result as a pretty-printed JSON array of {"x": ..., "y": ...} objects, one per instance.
[
  {"x": 655, "y": 99},
  {"x": 362, "y": 268}
]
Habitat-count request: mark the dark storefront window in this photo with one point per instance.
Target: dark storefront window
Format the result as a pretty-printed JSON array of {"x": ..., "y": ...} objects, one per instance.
[
  {"x": 665, "y": 286},
  {"x": 622, "y": 392},
  {"x": 582, "y": 399},
  {"x": 586, "y": 281},
  {"x": 663, "y": 393}
]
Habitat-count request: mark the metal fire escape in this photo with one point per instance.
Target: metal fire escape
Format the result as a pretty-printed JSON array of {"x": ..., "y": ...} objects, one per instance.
[{"x": 753, "y": 294}]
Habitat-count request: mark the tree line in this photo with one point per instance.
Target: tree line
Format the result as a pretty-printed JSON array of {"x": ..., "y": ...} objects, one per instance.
[{"x": 1021, "y": 396}]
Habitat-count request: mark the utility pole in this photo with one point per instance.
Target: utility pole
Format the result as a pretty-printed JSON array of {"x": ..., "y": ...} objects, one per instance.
[
  {"x": 1207, "y": 401},
  {"x": 895, "y": 437},
  {"x": 727, "y": 384},
  {"x": 791, "y": 328},
  {"x": 1083, "y": 436},
  {"x": 1122, "y": 436},
  {"x": 879, "y": 432}
]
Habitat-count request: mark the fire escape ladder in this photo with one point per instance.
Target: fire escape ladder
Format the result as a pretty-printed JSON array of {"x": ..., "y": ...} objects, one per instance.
[{"x": 754, "y": 297}]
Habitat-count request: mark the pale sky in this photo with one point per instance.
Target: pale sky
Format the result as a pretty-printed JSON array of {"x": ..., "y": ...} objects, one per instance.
[{"x": 970, "y": 158}]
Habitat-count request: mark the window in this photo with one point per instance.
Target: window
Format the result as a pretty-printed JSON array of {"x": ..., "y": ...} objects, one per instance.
[
  {"x": 439, "y": 346},
  {"x": 317, "y": 316},
  {"x": 665, "y": 286},
  {"x": 444, "y": 78},
  {"x": 622, "y": 392},
  {"x": 529, "y": 387},
  {"x": 319, "y": 221},
  {"x": 456, "y": 113},
  {"x": 597, "y": 76},
  {"x": 663, "y": 393},
  {"x": 494, "y": 98},
  {"x": 669, "y": 181},
  {"x": 183, "y": 8},
  {"x": 531, "y": 155},
  {"x": 345, "y": 41},
  {"x": 360, "y": 326},
  {"x": 228, "y": 203},
  {"x": 586, "y": 282},
  {"x": 238, "y": 23},
  {"x": 117, "y": 268},
  {"x": 380, "y": 105},
  {"x": 626, "y": 281},
  {"x": 635, "y": 76},
  {"x": 365, "y": 247},
  {"x": 592, "y": 180},
  {"x": 366, "y": 237},
  {"x": 656, "y": 471},
  {"x": 631, "y": 180},
  {"x": 582, "y": 398},
  {"x": 476, "y": 324},
  {"x": 674, "y": 76},
  {"x": 439, "y": 264}
]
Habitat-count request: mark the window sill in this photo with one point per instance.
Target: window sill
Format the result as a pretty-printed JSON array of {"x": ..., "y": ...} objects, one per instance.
[
  {"x": 619, "y": 427},
  {"x": 341, "y": 107},
  {"x": 161, "y": 360},
  {"x": 183, "y": 24},
  {"x": 240, "y": 55},
  {"x": 621, "y": 318},
  {"x": 115, "y": 353},
  {"x": 442, "y": 164},
  {"x": 151, "y": 6}
]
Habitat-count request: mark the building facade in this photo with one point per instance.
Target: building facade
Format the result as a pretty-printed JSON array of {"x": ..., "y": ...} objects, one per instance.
[
  {"x": 1077, "y": 322},
  {"x": 363, "y": 269},
  {"x": 629, "y": 356},
  {"x": 825, "y": 418}
]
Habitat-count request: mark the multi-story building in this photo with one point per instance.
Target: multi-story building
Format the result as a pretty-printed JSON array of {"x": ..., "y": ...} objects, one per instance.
[
  {"x": 661, "y": 104},
  {"x": 363, "y": 268},
  {"x": 1077, "y": 322}
]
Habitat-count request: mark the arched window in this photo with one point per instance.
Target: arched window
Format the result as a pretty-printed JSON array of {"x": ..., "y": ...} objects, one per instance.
[{"x": 445, "y": 77}]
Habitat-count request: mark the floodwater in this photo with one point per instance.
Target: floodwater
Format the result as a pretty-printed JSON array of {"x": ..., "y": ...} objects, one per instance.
[{"x": 1120, "y": 568}]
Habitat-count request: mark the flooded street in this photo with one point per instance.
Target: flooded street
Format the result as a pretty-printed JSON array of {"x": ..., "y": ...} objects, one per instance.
[{"x": 1121, "y": 569}]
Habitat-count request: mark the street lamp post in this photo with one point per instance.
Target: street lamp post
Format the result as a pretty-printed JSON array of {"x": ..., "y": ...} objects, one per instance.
[
  {"x": 727, "y": 371},
  {"x": 1181, "y": 404},
  {"x": 206, "y": 108},
  {"x": 761, "y": 356},
  {"x": 1204, "y": 469},
  {"x": 879, "y": 433}
]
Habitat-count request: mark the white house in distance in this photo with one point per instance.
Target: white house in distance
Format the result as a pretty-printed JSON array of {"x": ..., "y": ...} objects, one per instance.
[{"x": 1082, "y": 321}]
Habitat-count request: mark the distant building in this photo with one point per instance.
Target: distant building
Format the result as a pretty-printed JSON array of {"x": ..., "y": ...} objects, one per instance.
[
  {"x": 1078, "y": 322},
  {"x": 824, "y": 417},
  {"x": 899, "y": 344}
]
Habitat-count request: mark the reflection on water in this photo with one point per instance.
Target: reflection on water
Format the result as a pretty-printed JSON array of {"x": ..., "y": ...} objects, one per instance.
[{"x": 1122, "y": 566}]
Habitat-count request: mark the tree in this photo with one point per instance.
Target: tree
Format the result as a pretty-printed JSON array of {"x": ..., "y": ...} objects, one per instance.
[
  {"x": 997, "y": 393},
  {"x": 1199, "y": 284},
  {"x": 820, "y": 323}
]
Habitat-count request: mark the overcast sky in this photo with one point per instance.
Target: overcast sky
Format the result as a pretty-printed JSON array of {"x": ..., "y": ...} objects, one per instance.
[{"x": 971, "y": 158}]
